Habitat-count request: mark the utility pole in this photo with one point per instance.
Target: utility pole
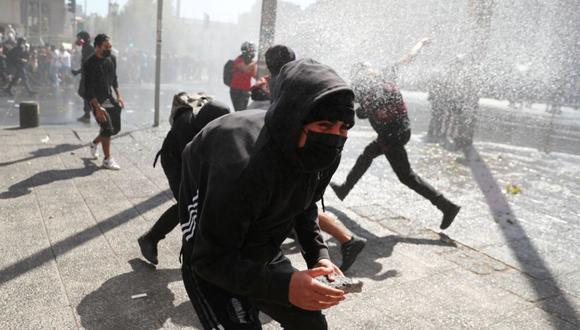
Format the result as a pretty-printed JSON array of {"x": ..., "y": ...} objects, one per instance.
[
  {"x": 267, "y": 33},
  {"x": 158, "y": 61}
]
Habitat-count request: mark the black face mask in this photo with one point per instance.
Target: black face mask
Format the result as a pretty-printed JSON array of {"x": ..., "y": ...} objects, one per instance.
[
  {"x": 106, "y": 52},
  {"x": 320, "y": 151}
]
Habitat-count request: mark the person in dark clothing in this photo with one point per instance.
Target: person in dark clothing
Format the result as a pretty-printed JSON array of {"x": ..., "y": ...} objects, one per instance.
[
  {"x": 84, "y": 40},
  {"x": 100, "y": 73},
  {"x": 3, "y": 74},
  {"x": 382, "y": 103},
  {"x": 440, "y": 106},
  {"x": 18, "y": 57},
  {"x": 189, "y": 115},
  {"x": 350, "y": 244},
  {"x": 244, "y": 69},
  {"x": 276, "y": 56},
  {"x": 248, "y": 179}
]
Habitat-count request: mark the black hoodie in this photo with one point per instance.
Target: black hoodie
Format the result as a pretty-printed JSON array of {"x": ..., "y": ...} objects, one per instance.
[
  {"x": 242, "y": 191},
  {"x": 185, "y": 126}
]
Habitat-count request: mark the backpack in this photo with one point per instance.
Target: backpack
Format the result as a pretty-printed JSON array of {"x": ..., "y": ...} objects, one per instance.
[
  {"x": 183, "y": 102},
  {"x": 228, "y": 72}
]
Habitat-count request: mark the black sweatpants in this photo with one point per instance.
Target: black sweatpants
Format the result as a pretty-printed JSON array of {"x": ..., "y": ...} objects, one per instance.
[
  {"x": 217, "y": 307},
  {"x": 397, "y": 156},
  {"x": 240, "y": 99},
  {"x": 170, "y": 218}
]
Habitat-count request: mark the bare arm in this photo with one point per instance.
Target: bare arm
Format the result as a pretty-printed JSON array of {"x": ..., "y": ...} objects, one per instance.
[{"x": 410, "y": 56}]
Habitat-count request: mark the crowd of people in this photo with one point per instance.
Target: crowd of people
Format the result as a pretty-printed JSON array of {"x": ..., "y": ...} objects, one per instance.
[
  {"x": 36, "y": 66},
  {"x": 246, "y": 180}
]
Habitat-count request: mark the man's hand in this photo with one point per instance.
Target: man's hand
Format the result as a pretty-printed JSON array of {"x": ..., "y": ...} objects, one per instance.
[
  {"x": 101, "y": 115},
  {"x": 121, "y": 102},
  {"x": 325, "y": 263},
  {"x": 307, "y": 293}
]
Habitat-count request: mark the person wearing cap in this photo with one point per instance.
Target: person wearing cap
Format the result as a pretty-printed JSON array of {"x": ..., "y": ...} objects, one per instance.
[
  {"x": 248, "y": 179},
  {"x": 84, "y": 40},
  {"x": 190, "y": 113},
  {"x": 381, "y": 102},
  {"x": 244, "y": 69}
]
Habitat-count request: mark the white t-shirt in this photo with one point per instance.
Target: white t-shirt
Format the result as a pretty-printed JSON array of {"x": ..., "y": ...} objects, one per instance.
[{"x": 65, "y": 59}]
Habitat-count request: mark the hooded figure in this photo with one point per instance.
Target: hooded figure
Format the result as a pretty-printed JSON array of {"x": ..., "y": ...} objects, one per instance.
[
  {"x": 187, "y": 119},
  {"x": 246, "y": 183}
]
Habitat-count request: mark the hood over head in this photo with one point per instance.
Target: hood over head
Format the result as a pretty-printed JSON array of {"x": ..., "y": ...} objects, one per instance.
[
  {"x": 278, "y": 55},
  {"x": 210, "y": 111},
  {"x": 301, "y": 86}
]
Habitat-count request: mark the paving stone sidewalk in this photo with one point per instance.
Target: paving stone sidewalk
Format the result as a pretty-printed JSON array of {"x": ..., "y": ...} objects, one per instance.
[{"x": 69, "y": 257}]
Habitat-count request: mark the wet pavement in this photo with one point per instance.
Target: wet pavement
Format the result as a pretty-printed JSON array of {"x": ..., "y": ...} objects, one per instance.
[{"x": 69, "y": 257}]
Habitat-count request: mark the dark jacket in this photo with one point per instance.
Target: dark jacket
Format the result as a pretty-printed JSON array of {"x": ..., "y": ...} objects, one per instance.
[
  {"x": 87, "y": 52},
  {"x": 15, "y": 57},
  {"x": 381, "y": 101},
  {"x": 100, "y": 76},
  {"x": 242, "y": 191},
  {"x": 185, "y": 126}
]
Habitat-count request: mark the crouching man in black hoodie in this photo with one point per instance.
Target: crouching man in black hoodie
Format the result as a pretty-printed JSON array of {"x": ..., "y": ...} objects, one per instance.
[{"x": 248, "y": 179}]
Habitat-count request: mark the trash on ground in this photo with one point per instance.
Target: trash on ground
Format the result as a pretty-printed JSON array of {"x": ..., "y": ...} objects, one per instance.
[
  {"x": 140, "y": 295},
  {"x": 513, "y": 189}
]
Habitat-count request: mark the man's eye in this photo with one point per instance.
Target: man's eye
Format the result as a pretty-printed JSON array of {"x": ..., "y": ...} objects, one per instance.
[{"x": 325, "y": 125}]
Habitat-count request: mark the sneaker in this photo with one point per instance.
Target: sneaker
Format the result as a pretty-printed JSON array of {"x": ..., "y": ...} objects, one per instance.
[
  {"x": 148, "y": 248},
  {"x": 84, "y": 119},
  {"x": 449, "y": 214},
  {"x": 350, "y": 250},
  {"x": 93, "y": 150},
  {"x": 339, "y": 190},
  {"x": 111, "y": 164}
]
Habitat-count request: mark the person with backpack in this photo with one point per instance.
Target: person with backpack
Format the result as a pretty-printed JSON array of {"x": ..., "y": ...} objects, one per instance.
[
  {"x": 380, "y": 101},
  {"x": 189, "y": 114},
  {"x": 244, "y": 68}
]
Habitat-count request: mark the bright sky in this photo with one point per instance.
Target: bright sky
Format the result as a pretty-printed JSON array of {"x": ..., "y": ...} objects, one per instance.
[{"x": 218, "y": 10}]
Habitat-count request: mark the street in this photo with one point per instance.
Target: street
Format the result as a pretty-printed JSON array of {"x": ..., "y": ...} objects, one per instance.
[{"x": 511, "y": 259}]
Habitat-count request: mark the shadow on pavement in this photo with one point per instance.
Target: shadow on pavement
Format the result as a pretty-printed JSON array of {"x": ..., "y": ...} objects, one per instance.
[
  {"x": 43, "y": 178},
  {"x": 386, "y": 245},
  {"x": 47, "y": 254},
  {"x": 45, "y": 152},
  {"x": 111, "y": 305},
  {"x": 526, "y": 254}
]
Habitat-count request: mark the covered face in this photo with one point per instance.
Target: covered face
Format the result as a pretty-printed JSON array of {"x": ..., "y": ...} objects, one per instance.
[{"x": 309, "y": 92}]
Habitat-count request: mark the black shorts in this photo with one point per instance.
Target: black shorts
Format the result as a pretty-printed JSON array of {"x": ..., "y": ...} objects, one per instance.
[{"x": 113, "y": 124}]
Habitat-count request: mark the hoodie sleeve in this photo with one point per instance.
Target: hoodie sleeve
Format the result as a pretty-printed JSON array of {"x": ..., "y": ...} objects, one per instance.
[
  {"x": 311, "y": 240},
  {"x": 224, "y": 219},
  {"x": 307, "y": 227}
]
